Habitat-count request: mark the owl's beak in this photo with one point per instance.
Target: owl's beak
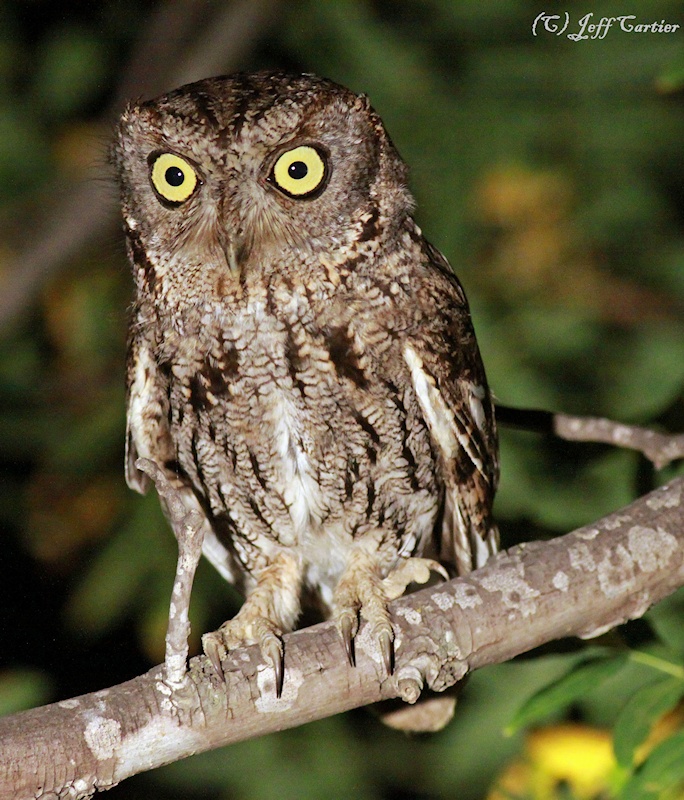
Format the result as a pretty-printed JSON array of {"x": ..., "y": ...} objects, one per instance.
[
  {"x": 230, "y": 252},
  {"x": 231, "y": 259}
]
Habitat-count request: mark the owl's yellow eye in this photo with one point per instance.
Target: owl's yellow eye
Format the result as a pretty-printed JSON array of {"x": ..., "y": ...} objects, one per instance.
[
  {"x": 300, "y": 172},
  {"x": 173, "y": 178}
]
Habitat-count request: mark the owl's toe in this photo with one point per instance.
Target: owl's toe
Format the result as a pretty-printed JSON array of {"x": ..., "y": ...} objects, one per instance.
[
  {"x": 269, "y": 611},
  {"x": 215, "y": 650},
  {"x": 377, "y": 616},
  {"x": 361, "y": 593},
  {"x": 272, "y": 651},
  {"x": 239, "y": 632},
  {"x": 411, "y": 570},
  {"x": 384, "y": 636},
  {"x": 348, "y": 625}
]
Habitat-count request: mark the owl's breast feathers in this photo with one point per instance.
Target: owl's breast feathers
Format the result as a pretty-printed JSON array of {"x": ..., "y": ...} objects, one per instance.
[{"x": 308, "y": 420}]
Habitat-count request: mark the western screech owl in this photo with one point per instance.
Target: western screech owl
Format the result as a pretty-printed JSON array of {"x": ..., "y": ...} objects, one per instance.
[{"x": 302, "y": 363}]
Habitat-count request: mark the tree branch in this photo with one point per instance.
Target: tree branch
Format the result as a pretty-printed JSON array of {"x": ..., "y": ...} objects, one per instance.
[
  {"x": 660, "y": 448},
  {"x": 581, "y": 584}
]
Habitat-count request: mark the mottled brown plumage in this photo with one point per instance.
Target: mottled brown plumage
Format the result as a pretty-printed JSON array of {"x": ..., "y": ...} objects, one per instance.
[{"x": 302, "y": 362}]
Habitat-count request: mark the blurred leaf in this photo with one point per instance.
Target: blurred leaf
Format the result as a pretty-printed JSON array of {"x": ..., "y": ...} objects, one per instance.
[
  {"x": 671, "y": 79},
  {"x": 666, "y": 618},
  {"x": 71, "y": 69},
  {"x": 559, "y": 488},
  {"x": 560, "y": 694},
  {"x": 459, "y": 760},
  {"x": 655, "y": 376},
  {"x": 66, "y": 513},
  {"x": 119, "y": 573},
  {"x": 21, "y": 689},
  {"x": 318, "y": 760},
  {"x": 83, "y": 314},
  {"x": 9, "y": 50},
  {"x": 24, "y": 157},
  {"x": 637, "y": 718},
  {"x": 663, "y": 771},
  {"x": 83, "y": 442},
  {"x": 21, "y": 366}
]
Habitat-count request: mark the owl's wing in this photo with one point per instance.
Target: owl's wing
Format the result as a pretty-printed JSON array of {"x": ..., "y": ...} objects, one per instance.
[
  {"x": 147, "y": 433},
  {"x": 450, "y": 383},
  {"x": 148, "y": 436}
]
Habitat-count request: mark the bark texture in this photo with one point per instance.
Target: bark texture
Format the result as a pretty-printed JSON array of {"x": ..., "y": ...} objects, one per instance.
[{"x": 581, "y": 584}]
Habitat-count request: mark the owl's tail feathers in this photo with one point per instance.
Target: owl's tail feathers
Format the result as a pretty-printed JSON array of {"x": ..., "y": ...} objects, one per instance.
[{"x": 469, "y": 534}]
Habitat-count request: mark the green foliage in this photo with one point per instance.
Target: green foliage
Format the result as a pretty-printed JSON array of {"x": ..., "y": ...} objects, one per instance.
[
  {"x": 573, "y": 686},
  {"x": 549, "y": 173},
  {"x": 642, "y": 711},
  {"x": 137, "y": 552},
  {"x": 645, "y": 723},
  {"x": 20, "y": 689},
  {"x": 70, "y": 71},
  {"x": 662, "y": 775}
]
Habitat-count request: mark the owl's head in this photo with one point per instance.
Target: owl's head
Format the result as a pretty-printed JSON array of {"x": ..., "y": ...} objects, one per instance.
[{"x": 242, "y": 171}]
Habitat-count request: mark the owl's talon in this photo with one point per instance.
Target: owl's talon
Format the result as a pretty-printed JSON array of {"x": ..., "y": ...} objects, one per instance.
[
  {"x": 214, "y": 650},
  {"x": 348, "y": 625},
  {"x": 272, "y": 651},
  {"x": 385, "y": 639}
]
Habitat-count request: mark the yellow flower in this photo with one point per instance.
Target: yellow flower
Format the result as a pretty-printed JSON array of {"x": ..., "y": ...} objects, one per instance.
[{"x": 576, "y": 756}]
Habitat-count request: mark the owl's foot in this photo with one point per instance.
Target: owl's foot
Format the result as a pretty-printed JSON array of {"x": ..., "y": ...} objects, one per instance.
[
  {"x": 238, "y": 632},
  {"x": 411, "y": 570},
  {"x": 271, "y": 609},
  {"x": 362, "y": 592}
]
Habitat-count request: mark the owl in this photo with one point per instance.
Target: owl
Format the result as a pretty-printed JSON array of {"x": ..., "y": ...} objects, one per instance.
[{"x": 302, "y": 363}]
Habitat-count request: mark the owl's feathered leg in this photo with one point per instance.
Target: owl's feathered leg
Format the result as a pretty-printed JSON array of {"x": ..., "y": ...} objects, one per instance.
[
  {"x": 270, "y": 610},
  {"x": 362, "y": 591}
]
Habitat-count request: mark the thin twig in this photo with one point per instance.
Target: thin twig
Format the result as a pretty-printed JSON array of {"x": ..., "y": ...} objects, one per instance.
[
  {"x": 660, "y": 448},
  {"x": 189, "y": 531}
]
